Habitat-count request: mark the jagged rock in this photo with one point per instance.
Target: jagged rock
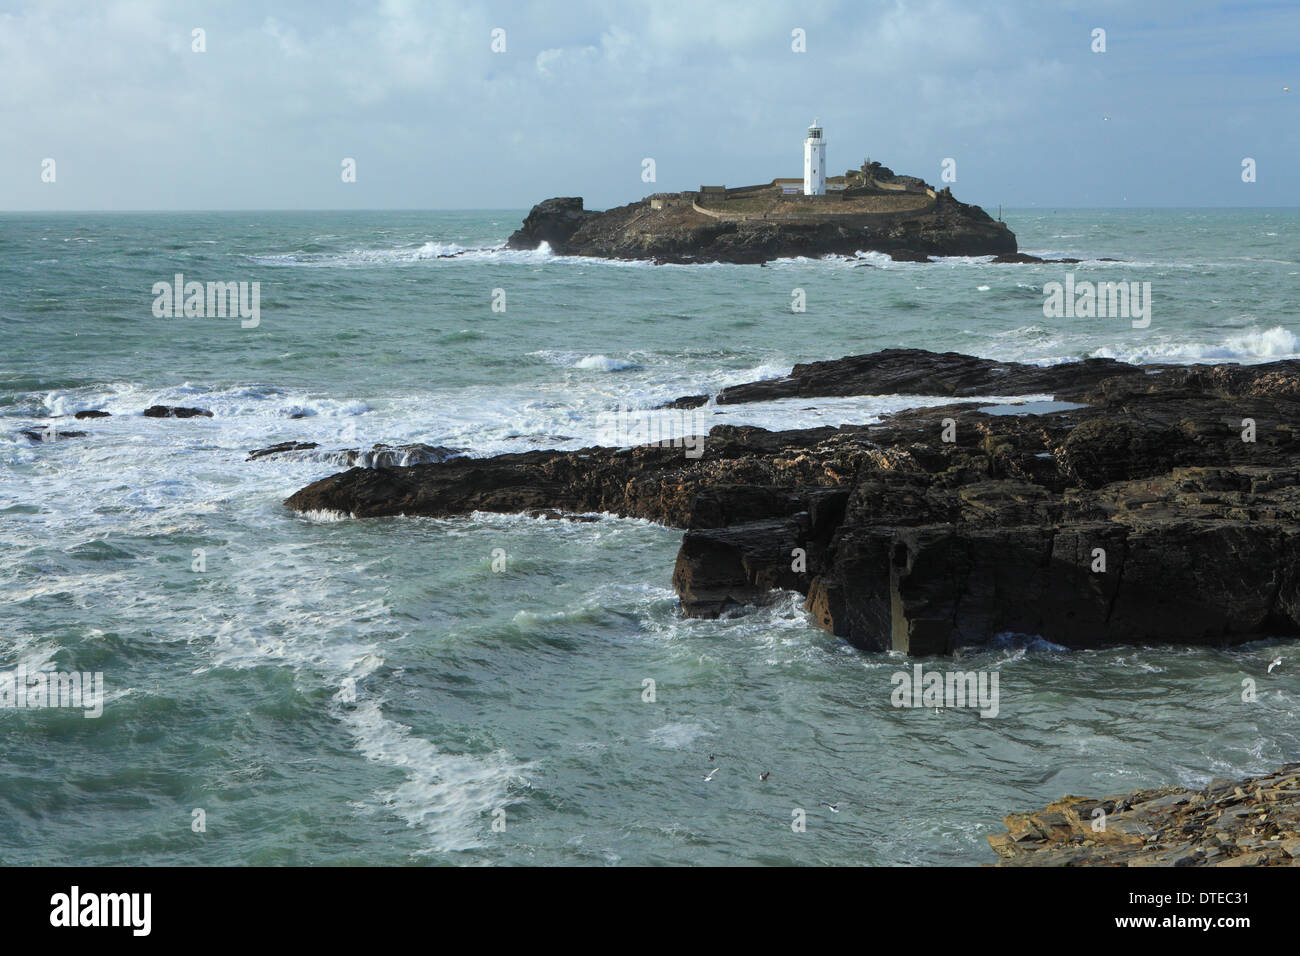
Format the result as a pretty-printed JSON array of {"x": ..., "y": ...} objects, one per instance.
[
  {"x": 378, "y": 456},
  {"x": 389, "y": 456},
  {"x": 175, "y": 411},
  {"x": 686, "y": 401},
  {"x": 1024, "y": 258},
  {"x": 44, "y": 434},
  {"x": 1168, "y": 826},
  {"x": 1140, "y": 515},
  {"x": 918, "y": 372},
  {"x": 553, "y": 221},
  {"x": 92, "y": 413},
  {"x": 280, "y": 448}
]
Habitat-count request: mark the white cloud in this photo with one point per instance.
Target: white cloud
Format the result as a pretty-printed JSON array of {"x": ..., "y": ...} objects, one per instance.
[{"x": 712, "y": 90}]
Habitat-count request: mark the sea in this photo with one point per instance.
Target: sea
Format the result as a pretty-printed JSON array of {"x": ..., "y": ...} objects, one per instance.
[{"x": 499, "y": 689}]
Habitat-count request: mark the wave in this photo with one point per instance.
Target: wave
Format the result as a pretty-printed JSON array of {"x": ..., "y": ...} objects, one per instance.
[
  {"x": 425, "y": 251},
  {"x": 434, "y": 251},
  {"x": 1253, "y": 346},
  {"x": 446, "y": 795},
  {"x": 597, "y": 363}
]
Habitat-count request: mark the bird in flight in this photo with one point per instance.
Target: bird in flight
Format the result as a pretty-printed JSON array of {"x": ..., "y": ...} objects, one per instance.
[
  {"x": 832, "y": 807},
  {"x": 1275, "y": 663},
  {"x": 711, "y": 773},
  {"x": 764, "y": 775}
]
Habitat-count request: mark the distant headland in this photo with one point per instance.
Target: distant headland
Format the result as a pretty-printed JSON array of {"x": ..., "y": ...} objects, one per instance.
[{"x": 869, "y": 209}]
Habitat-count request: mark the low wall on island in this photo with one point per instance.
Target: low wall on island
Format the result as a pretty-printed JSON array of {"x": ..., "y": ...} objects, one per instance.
[{"x": 832, "y": 207}]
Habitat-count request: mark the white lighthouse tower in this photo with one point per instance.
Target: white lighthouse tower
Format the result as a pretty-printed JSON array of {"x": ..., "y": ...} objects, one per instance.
[{"x": 814, "y": 162}]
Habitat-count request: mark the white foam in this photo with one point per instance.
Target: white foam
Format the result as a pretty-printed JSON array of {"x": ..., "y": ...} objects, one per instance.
[
  {"x": 434, "y": 252},
  {"x": 448, "y": 796},
  {"x": 788, "y": 413},
  {"x": 420, "y": 253},
  {"x": 598, "y": 363},
  {"x": 677, "y": 736},
  {"x": 1252, "y": 346}
]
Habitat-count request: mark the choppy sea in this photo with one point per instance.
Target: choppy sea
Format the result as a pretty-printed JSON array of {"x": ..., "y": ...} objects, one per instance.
[{"x": 471, "y": 691}]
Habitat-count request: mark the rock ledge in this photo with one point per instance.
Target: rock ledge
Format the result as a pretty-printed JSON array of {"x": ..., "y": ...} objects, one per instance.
[{"x": 1254, "y": 822}]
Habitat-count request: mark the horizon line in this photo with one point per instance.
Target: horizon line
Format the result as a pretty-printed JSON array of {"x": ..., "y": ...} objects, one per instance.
[{"x": 514, "y": 209}]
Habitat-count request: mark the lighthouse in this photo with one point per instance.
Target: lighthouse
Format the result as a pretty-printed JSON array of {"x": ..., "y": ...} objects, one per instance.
[{"x": 814, "y": 162}]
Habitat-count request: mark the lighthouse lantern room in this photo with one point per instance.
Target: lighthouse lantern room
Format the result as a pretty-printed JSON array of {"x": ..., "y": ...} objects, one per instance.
[{"x": 814, "y": 162}]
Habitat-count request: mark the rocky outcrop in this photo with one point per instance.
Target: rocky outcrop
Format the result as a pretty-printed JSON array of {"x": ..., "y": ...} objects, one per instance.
[
  {"x": 1253, "y": 822},
  {"x": 676, "y": 231},
  {"x": 916, "y": 372},
  {"x": 551, "y": 221},
  {"x": 1161, "y": 507},
  {"x": 175, "y": 411},
  {"x": 377, "y": 456},
  {"x": 284, "y": 448},
  {"x": 47, "y": 434}
]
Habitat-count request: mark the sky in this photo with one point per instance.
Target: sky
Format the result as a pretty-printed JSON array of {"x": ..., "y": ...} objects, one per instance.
[{"x": 713, "y": 91}]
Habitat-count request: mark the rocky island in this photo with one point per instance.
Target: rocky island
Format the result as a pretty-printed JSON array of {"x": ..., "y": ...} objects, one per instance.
[
  {"x": 1146, "y": 505},
  {"x": 867, "y": 210}
]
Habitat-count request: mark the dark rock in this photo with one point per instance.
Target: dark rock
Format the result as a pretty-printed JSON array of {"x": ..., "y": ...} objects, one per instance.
[
  {"x": 389, "y": 456},
  {"x": 92, "y": 413},
  {"x": 280, "y": 448},
  {"x": 1026, "y": 258},
  {"x": 918, "y": 372},
  {"x": 553, "y": 221},
  {"x": 41, "y": 434},
  {"x": 175, "y": 411},
  {"x": 378, "y": 456},
  {"x": 686, "y": 401},
  {"x": 1139, "y": 517},
  {"x": 909, "y": 255}
]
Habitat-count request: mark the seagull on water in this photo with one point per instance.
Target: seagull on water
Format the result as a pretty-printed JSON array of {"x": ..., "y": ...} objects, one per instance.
[{"x": 711, "y": 773}]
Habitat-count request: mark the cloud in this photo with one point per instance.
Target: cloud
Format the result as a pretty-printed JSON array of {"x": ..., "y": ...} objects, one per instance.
[{"x": 712, "y": 91}]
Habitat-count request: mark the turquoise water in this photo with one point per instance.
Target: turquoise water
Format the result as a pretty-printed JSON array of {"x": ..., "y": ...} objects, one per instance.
[{"x": 478, "y": 690}]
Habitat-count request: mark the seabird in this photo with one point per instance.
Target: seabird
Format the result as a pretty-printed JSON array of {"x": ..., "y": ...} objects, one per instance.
[
  {"x": 833, "y": 807},
  {"x": 711, "y": 773},
  {"x": 764, "y": 775},
  {"x": 1275, "y": 663}
]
